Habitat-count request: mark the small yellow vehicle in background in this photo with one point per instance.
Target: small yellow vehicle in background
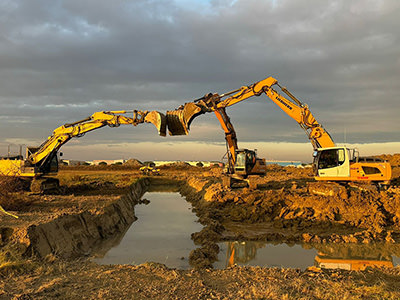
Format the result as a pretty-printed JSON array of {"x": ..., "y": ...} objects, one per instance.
[{"x": 147, "y": 170}]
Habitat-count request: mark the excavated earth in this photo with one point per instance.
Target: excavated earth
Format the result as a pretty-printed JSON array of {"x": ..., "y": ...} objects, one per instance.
[{"x": 45, "y": 253}]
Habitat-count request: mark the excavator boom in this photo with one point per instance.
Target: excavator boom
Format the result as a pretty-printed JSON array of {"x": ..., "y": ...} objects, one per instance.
[
  {"x": 63, "y": 134},
  {"x": 298, "y": 111}
]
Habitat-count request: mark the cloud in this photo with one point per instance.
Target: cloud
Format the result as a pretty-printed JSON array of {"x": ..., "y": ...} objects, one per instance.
[{"x": 61, "y": 61}]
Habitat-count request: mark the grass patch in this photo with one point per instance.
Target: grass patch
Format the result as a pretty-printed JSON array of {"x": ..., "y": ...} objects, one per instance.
[{"x": 11, "y": 263}]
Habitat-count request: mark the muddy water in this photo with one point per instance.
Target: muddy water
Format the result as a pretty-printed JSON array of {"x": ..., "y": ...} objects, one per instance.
[
  {"x": 329, "y": 256},
  {"x": 264, "y": 255},
  {"x": 160, "y": 234},
  {"x": 163, "y": 231}
]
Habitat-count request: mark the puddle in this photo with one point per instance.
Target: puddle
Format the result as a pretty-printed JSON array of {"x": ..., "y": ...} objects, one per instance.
[
  {"x": 265, "y": 255},
  {"x": 160, "y": 234},
  {"x": 329, "y": 256}
]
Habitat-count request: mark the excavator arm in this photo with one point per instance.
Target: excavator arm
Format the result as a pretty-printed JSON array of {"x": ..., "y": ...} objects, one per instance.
[
  {"x": 230, "y": 136},
  {"x": 63, "y": 134},
  {"x": 295, "y": 109}
]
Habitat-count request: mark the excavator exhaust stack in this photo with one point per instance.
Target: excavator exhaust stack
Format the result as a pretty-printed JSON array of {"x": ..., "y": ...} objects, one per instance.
[
  {"x": 159, "y": 120},
  {"x": 179, "y": 120}
]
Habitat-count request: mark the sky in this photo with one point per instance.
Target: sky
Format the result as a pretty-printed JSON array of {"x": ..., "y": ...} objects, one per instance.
[{"x": 61, "y": 61}]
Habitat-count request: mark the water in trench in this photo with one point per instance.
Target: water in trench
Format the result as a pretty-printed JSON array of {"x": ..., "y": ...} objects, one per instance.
[
  {"x": 163, "y": 231},
  {"x": 160, "y": 234},
  {"x": 328, "y": 256}
]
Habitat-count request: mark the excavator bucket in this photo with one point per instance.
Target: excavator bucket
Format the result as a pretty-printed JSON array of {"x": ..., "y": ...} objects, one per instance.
[
  {"x": 179, "y": 120},
  {"x": 159, "y": 120}
]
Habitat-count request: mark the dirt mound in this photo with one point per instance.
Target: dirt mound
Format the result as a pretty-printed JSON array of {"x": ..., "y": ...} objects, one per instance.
[
  {"x": 394, "y": 159},
  {"x": 133, "y": 163},
  {"x": 178, "y": 165},
  {"x": 204, "y": 256},
  {"x": 330, "y": 211},
  {"x": 10, "y": 199}
]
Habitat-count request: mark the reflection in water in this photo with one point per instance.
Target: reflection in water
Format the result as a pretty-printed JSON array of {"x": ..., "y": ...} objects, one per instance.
[
  {"x": 356, "y": 264},
  {"x": 161, "y": 234},
  {"x": 163, "y": 229},
  {"x": 241, "y": 252},
  {"x": 328, "y": 256},
  {"x": 355, "y": 256},
  {"x": 256, "y": 253}
]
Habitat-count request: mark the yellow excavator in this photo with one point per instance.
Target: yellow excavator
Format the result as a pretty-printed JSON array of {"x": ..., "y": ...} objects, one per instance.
[
  {"x": 331, "y": 162},
  {"x": 41, "y": 163},
  {"x": 243, "y": 164}
]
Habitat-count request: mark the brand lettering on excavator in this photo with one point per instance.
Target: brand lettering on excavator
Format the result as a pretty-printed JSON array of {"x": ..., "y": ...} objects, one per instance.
[{"x": 284, "y": 103}]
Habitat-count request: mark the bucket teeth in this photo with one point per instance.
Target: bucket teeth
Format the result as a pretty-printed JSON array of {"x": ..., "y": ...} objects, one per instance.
[
  {"x": 159, "y": 120},
  {"x": 179, "y": 120},
  {"x": 176, "y": 124}
]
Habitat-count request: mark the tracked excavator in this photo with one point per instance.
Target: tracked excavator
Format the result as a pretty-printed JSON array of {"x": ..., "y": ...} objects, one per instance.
[
  {"x": 41, "y": 163},
  {"x": 331, "y": 162},
  {"x": 243, "y": 165}
]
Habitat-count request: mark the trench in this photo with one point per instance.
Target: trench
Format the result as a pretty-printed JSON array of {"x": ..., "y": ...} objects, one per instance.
[
  {"x": 131, "y": 232},
  {"x": 160, "y": 234},
  {"x": 77, "y": 235}
]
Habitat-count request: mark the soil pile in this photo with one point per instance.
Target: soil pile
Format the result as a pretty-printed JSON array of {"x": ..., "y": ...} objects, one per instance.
[
  {"x": 394, "y": 159},
  {"x": 133, "y": 163},
  {"x": 300, "y": 209}
]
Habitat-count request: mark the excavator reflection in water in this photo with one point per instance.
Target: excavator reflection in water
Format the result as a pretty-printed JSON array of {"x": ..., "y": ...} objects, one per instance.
[
  {"x": 337, "y": 256},
  {"x": 355, "y": 257},
  {"x": 241, "y": 252}
]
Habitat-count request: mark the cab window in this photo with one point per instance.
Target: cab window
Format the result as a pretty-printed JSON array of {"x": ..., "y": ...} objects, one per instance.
[
  {"x": 331, "y": 158},
  {"x": 371, "y": 170},
  {"x": 241, "y": 160}
]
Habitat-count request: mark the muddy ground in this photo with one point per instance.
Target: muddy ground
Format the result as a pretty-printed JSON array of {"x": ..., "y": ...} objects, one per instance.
[{"x": 288, "y": 206}]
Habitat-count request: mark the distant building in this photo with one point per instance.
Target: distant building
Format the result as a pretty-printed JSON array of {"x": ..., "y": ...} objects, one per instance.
[
  {"x": 71, "y": 162},
  {"x": 108, "y": 161},
  {"x": 190, "y": 162}
]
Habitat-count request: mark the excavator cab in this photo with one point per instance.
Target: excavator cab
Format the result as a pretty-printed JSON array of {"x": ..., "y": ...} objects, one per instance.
[
  {"x": 247, "y": 163},
  {"x": 245, "y": 160},
  {"x": 332, "y": 162},
  {"x": 344, "y": 164}
]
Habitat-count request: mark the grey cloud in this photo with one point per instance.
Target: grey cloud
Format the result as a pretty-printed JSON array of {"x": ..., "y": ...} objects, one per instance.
[{"x": 77, "y": 57}]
